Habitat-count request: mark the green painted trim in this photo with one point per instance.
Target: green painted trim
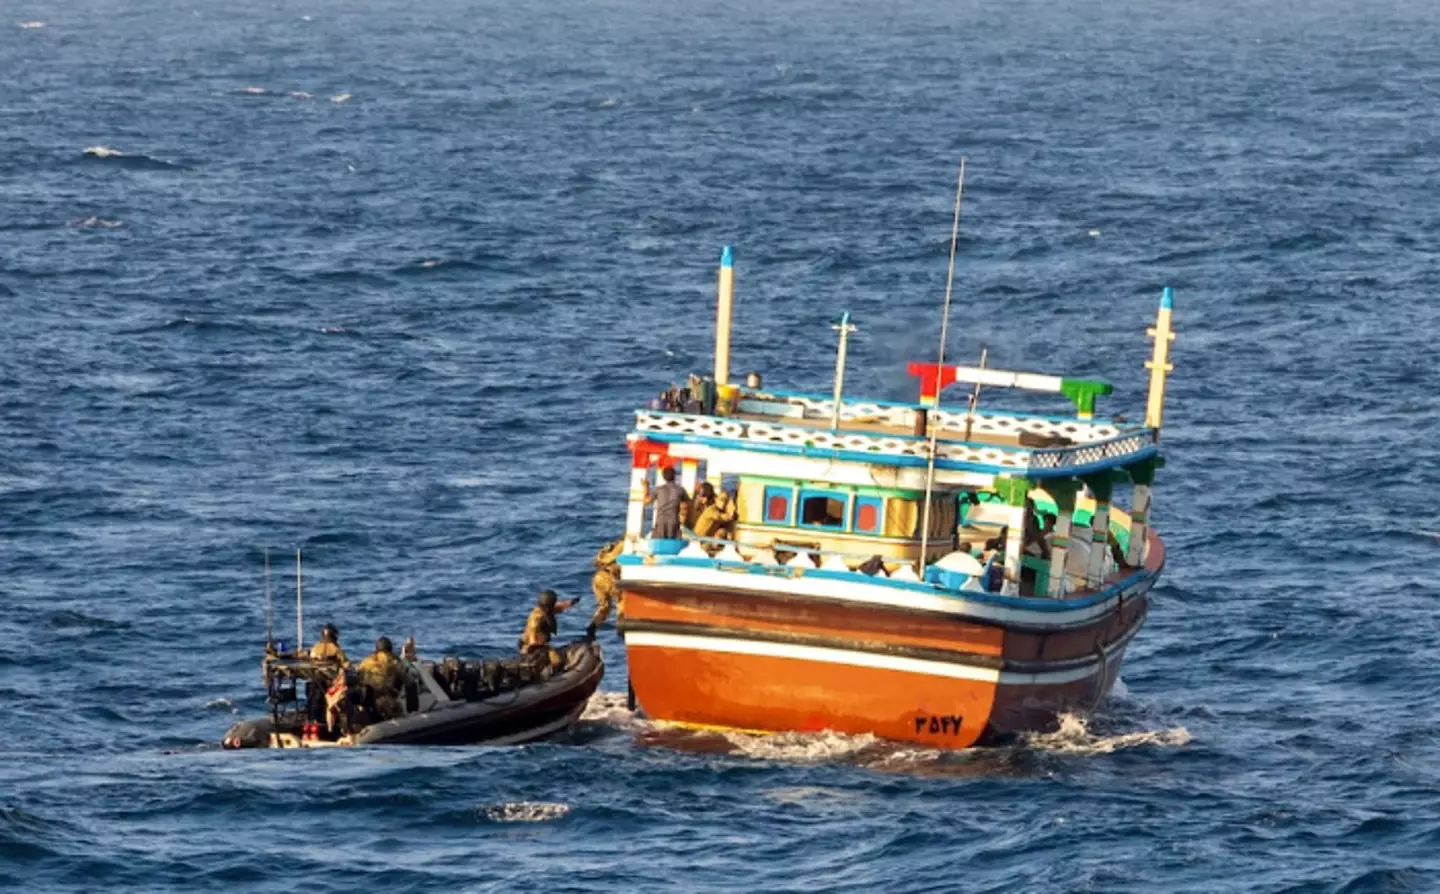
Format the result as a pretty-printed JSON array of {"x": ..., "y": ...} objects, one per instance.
[
  {"x": 1064, "y": 491},
  {"x": 1122, "y": 537},
  {"x": 1082, "y": 392},
  {"x": 1012, "y": 490}
]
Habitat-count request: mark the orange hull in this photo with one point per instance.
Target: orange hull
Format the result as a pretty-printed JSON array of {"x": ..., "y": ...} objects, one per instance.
[
  {"x": 710, "y": 652},
  {"x": 757, "y": 692}
]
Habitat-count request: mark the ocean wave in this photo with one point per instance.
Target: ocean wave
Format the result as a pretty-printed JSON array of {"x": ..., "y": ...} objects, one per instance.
[
  {"x": 94, "y": 222},
  {"x": 74, "y": 620},
  {"x": 192, "y": 324},
  {"x": 430, "y": 266},
  {"x": 340, "y": 277},
  {"x": 133, "y": 161},
  {"x": 27, "y": 836}
]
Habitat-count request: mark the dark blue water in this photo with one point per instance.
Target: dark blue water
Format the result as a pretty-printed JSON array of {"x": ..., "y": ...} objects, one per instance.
[{"x": 384, "y": 280}]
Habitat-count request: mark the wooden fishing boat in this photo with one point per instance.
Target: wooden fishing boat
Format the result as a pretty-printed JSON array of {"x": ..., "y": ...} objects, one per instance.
[{"x": 927, "y": 573}]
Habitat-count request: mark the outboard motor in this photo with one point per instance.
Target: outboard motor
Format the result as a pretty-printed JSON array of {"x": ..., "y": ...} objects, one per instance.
[
  {"x": 448, "y": 676},
  {"x": 471, "y": 675}
]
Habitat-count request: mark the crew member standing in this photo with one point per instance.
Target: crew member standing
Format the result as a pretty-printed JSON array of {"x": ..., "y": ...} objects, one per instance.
[{"x": 669, "y": 499}]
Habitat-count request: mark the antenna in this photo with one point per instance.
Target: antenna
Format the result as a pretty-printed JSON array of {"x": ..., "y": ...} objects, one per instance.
[
  {"x": 939, "y": 367},
  {"x": 269, "y": 615},
  {"x": 299, "y": 605},
  {"x": 975, "y": 395}
]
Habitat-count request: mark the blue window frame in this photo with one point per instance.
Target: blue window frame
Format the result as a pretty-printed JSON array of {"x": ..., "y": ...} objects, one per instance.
[
  {"x": 823, "y": 509},
  {"x": 868, "y": 515},
  {"x": 778, "y": 508}
]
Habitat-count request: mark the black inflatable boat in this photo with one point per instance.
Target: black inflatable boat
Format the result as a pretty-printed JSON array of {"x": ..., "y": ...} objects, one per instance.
[{"x": 451, "y": 702}]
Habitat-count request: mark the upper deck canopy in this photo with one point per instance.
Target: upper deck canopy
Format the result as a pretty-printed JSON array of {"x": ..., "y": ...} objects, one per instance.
[{"x": 884, "y": 433}]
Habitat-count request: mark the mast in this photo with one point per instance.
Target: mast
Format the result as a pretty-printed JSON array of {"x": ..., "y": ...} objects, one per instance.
[
  {"x": 845, "y": 328},
  {"x": 940, "y": 363},
  {"x": 725, "y": 299}
]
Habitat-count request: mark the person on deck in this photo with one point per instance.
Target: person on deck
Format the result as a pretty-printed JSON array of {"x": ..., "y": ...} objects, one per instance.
[
  {"x": 717, "y": 519},
  {"x": 704, "y": 498},
  {"x": 383, "y": 673},
  {"x": 328, "y": 649},
  {"x": 669, "y": 500},
  {"x": 1035, "y": 541},
  {"x": 605, "y": 584}
]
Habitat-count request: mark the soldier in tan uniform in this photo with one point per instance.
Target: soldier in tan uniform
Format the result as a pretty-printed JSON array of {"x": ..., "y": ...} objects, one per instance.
[
  {"x": 385, "y": 676},
  {"x": 541, "y": 625},
  {"x": 328, "y": 649},
  {"x": 717, "y": 519},
  {"x": 606, "y": 584}
]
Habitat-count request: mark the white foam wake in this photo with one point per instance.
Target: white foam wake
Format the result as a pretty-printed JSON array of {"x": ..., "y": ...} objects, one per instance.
[
  {"x": 1074, "y": 737},
  {"x": 31, "y": 26},
  {"x": 103, "y": 152},
  {"x": 802, "y": 747},
  {"x": 609, "y": 709},
  {"x": 526, "y": 811}
]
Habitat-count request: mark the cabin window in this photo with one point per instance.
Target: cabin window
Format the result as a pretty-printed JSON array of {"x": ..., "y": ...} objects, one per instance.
[
  {"x": 869, "y": 512},
  {"x": 819, "y": 509},
  {"x": 777, "y": 506}
]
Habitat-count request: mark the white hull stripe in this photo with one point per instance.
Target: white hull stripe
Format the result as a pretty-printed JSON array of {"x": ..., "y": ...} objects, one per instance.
[
  {"x": 822, "y": 655},
  {"x": 870, "y": 594}
]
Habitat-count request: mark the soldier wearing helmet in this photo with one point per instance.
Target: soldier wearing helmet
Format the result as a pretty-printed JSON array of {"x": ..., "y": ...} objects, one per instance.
[
  {"x": 541, "y": 625},
  {"x": 383, "y": 673},
  {"x": 328, "y": 649}
]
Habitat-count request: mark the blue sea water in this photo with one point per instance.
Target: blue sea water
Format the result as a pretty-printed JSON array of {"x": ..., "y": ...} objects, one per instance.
[{"x": 384, "y": 281}]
